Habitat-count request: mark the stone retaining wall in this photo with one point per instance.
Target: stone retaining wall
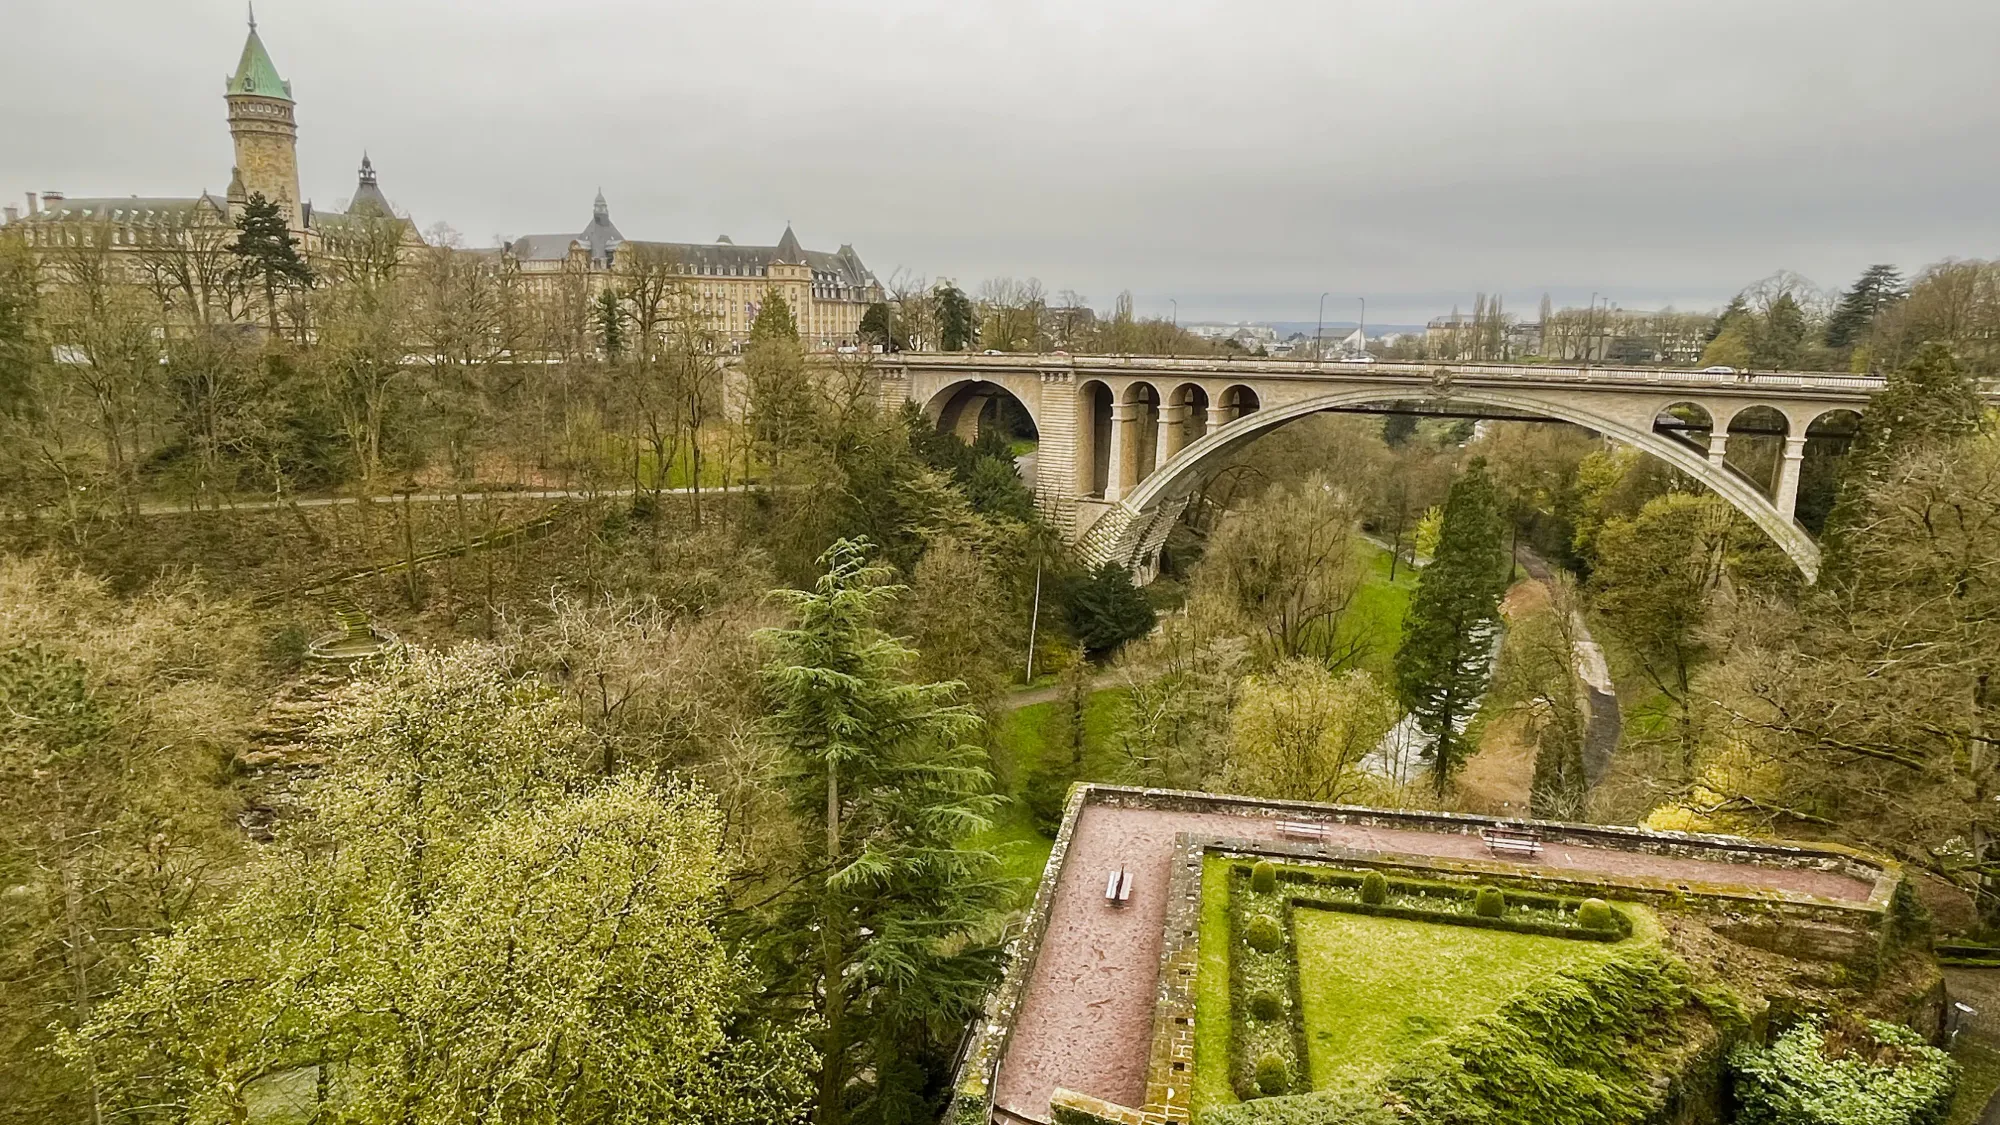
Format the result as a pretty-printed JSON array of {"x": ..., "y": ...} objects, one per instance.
[{"x": 1852, "y": 862}]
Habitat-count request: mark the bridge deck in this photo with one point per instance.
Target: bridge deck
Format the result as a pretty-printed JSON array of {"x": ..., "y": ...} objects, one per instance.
[{"x": 1517, "y": 374}]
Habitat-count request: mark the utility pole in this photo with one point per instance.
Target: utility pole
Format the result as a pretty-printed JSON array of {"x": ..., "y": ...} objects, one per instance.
[
  {"x": 1319, "y": 332},
  {"x": 1362, "y": 328},
  {"x": 1034, "y": 619}
]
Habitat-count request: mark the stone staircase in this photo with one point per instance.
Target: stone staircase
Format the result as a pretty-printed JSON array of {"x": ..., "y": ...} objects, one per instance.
[{"x": 282, "y": 752}]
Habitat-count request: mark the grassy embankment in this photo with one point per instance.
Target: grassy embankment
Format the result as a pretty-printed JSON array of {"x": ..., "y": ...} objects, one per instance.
[{"x": 1375, "y": 619}]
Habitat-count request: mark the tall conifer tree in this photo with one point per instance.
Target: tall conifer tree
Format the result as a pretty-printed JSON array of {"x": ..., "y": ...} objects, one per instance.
[
  {"x": 886, "y": 791},
  {"x": 268, "y": 255},
  {"x": 1445, "y": 661}
]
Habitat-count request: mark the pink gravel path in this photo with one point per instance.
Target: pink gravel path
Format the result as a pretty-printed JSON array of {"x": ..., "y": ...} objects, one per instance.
[{"x": 1086, "y": 1020}]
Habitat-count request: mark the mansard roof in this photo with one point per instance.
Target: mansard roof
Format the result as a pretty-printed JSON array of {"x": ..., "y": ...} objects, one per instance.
[
  {"x": 721, "y": 258},
  {"x": 127, "y": 210}
]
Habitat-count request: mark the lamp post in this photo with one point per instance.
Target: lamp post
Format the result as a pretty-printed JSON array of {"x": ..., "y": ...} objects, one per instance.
[{"x": 1319, "y": 330}]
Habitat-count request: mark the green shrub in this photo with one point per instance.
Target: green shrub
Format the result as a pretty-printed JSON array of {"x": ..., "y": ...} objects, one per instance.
[
  {"x": 1264, "y": 877},
  {"x": 1858, "y": 1074},
  {"x": 1265, "y": 1005},
  {"x": 1273, "y": 1076},
  {"x": 1348, "y": 1106},
  {"x": 1596, "y": 914},
  {"x": 1264, "y": 934},
  {"x": 1489, "y": 903},
  {"x": 1374, "y": 888}
]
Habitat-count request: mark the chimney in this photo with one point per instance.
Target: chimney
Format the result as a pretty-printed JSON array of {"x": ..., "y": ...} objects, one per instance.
[
  {"x": 13, "y": 213},
  {"x": 50, "y": 199},
  {"x": 32, "y": 205}
]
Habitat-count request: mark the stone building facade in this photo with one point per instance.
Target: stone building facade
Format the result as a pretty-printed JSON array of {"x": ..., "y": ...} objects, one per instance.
[
  {"x": 724, "y": 283},
  {"x": 138, "y": 233}
]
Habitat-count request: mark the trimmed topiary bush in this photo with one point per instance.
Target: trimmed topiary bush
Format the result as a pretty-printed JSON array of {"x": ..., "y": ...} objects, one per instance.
[
  {"x": 1273, "y": 1076},
  {"x": 1596, "y": 914},
  {"x": 1264, "y": 877},
  {"x": 1374, "y": 888},
  {"x": 1489, "y": 903},
  {"x": 1265, "y": 1005},
  {"x": 1264, "y": 934}
]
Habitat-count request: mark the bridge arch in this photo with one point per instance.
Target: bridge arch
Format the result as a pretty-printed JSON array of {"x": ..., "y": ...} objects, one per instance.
[
  {"x": 965, "y": 407},
  {"x": 1177, "y": 478}
]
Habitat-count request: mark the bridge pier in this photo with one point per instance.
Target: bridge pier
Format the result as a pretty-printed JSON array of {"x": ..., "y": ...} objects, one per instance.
[
  {"x": 1786, "y": 494},
  {"x": 1718, "y": 445}
]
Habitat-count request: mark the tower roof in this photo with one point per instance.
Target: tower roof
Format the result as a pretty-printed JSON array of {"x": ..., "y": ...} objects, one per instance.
[
  {"x": 789, "y": 249},
  {"x": 255, "y": 72},
  {"x": 368, "y": 194}
]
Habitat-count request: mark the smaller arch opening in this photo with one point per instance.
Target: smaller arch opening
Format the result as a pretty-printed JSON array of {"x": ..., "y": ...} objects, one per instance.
[
  {"x": 1756, "y": 445},
  {"x": 1688, "y": 423},
  {"x": 1142, "y": 433},
  {"x": 1238, "y": 401},
  {"x": 1184, "y": 419},
  {"x": 1094, "y": 403}
]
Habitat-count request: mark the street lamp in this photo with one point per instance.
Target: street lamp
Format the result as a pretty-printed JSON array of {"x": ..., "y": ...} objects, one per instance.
[
  {"x": 1319, "y": 348},
  {"x": 1362, "y": 328}
]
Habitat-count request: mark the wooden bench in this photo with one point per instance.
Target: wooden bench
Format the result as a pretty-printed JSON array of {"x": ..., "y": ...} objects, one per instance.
[
  {"x": 1118, "y": 887},
  {"x": 1512, "y": 841},
  {"x": 1301, "y": 830}
]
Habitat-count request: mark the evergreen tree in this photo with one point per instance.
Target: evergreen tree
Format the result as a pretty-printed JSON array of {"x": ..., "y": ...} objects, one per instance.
[
  {"x": 1877, "y": 286},
  {"x": 878, "y": 932},
  {"x": 1105, "y": 609},
  {"x": 1444, "y": 663},
  {"x": 267, "y": 255},
  {"x": 1735, "y": 309},
  {"x": 610, "y": 317},
  {"x": 958, "y": 325},
  {"x": 774, "y": 319},
  {"x": 874, "y": 327},
  {"x": 1046, "y": 788},
  {"x": 1781, "y": 337}
]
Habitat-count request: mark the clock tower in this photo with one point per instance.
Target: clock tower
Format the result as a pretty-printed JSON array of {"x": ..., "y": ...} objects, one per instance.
[{"x": 261, "y": 123}]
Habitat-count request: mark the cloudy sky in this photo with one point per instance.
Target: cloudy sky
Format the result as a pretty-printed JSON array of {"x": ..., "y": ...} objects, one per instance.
[{"x": 1238, "y": 157}]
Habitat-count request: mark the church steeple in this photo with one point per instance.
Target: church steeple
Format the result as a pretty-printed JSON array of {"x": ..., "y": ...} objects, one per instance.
[{"x": 262, "y": 125}]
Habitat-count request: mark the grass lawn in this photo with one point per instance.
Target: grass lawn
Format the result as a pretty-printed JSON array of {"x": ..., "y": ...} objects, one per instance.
[
  {"x": 1376, "y": 987},
  {"x": 1021, "y": 734},
  {"x": 1023, "y": 851},
  {"x": 1376, "y": 614},
  {"x": 1211, "y": 991},
  {"x": 1018, "y": 740}
]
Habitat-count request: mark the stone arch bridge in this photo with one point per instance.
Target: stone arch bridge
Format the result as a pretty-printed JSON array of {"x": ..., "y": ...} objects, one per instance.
[{"x": 1124, "y": 440}]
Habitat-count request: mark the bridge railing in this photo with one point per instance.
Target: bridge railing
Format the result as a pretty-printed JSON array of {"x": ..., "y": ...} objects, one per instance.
[{"x": 1481, "y": 372}]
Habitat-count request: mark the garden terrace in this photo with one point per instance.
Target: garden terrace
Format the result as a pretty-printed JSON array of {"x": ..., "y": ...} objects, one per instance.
[{"x": 1099, "y": 998}]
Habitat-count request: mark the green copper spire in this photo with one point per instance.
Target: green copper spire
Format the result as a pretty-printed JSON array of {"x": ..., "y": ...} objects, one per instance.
[{"x": 255, "y": 72}]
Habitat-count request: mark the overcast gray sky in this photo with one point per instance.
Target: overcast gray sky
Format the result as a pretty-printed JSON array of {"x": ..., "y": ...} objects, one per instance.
[{"x": 1241, "y": 157}]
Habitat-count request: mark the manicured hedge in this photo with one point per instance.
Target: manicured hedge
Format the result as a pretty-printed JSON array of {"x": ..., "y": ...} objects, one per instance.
[{"x": 1449, "y": 918}]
